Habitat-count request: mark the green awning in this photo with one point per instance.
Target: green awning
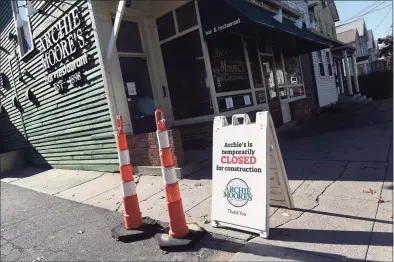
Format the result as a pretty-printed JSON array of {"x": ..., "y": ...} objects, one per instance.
[{"x": 247, "y": 19}]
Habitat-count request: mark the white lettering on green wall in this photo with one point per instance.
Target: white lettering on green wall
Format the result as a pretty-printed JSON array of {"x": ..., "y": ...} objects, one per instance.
[
  {"x": 61, "y": 41},
  {"x": 77, "y": 63}
]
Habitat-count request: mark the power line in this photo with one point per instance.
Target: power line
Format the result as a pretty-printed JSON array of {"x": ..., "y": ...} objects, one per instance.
[
  {"x": 360, "y": 14},
  {"x": 363, "y": 10},
  {"x": 382, "y": 20},
  {"x": 365, "y": 14}
]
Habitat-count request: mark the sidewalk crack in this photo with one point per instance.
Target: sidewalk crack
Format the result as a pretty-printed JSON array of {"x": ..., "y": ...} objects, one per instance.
[
  {"x": 54, "y": 194},
  {"x": 318, "y": 197},
  {"x": 380, "y": 194}
]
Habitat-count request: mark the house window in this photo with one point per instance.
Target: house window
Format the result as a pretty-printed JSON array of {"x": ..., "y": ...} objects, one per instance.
[
  {"x": 328, "y": 29},
  {"x": 324, "y": 3},
  {"x": 320, "y": 60},
  {"x": 329, "y": 65},
  {"x": 24, "y": 35}
]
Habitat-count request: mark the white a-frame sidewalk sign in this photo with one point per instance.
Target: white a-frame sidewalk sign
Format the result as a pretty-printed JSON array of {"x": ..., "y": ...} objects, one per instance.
[{"x": 247, "y": 173}]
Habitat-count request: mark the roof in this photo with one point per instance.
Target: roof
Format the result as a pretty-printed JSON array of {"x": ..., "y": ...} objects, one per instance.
[
  {"x": 371, "y": 38},
  {"x": 347, "y": 36},
  {"x": 358, "y": 24}
]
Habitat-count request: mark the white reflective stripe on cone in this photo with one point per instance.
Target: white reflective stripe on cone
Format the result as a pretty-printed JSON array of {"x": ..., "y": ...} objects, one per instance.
[
  {"x": 129, "y": 188},
  {"x": 162, "y": 138},
  {"x": 169, "y": 175},
  {"x": 124, "y": 157}
]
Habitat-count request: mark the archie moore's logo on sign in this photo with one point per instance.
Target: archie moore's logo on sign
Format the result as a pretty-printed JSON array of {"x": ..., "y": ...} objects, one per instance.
[{"x": 237, "y": 192}]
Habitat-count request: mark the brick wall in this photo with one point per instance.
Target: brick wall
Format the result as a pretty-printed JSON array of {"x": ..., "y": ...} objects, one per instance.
[
  {"x": 199, "y": 136},
  {"x": 301, "y": 110},
  {"x": 144, "y": 148}
]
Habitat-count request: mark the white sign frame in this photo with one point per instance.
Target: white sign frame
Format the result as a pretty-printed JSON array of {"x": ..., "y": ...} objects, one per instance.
[
  {"x": 278, "y": 176},
  {"x": 272, "y": 182},
  {"x": 241, "y": 203}
]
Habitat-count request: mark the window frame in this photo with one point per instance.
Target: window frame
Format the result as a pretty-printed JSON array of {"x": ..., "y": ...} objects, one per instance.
[
  {"x": 329, "y": 64},
  {"x": 15, "y": 12},
  {"x": 289, "y": 85},
  {"x": 144, "y": 54},
  {"x": 322, "y": 64},
  {"x": 209, "y": 78}
]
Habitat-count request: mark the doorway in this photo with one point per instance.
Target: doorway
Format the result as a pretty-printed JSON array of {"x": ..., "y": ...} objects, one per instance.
[
  {"x": 133, "y": 60},
  {"x": 272, "y": 90}
]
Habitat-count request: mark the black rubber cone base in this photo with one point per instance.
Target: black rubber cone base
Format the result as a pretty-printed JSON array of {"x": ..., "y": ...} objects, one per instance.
[
  {"x": 148, "y": 228},
  {"x": 168, "y": 243}
]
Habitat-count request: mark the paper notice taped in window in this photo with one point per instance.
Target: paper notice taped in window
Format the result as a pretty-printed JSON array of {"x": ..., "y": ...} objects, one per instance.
[
  {"x": 229, "y": 102},
  {"x": 247, "y": 100},
  {"x": 131, "y": 89}
]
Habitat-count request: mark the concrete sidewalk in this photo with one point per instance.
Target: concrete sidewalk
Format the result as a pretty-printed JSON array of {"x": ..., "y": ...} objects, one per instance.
[{"x": 336, "y": 179}]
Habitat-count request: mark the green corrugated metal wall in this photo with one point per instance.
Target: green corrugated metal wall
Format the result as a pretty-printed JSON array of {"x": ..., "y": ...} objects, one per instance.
[{"x": 71, "y": 130}]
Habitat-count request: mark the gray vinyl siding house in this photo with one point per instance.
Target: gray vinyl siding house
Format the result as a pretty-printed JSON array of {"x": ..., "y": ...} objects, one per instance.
[
  {"x": 325, "y": 85},
  {"x": 69, "y": 129}
]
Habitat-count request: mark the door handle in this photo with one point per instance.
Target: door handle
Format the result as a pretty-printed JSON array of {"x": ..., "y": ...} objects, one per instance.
[{"x": 164, "y": 91}]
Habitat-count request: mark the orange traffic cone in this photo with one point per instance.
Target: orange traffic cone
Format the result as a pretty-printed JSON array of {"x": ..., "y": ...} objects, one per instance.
[
  {"x": 133, "y": 228},
  {"x": 180, "y": 234}
]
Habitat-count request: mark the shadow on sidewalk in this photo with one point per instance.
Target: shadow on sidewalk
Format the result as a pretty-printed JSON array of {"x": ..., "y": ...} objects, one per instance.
[
  {"x": 267, "y": 252},
  {"x": 345, "y": 216},
  {"x": 331, "y": 236},
  {"x": 22, "y": 173}
]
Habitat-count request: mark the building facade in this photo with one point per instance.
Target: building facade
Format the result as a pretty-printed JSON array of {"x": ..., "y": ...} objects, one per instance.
[
  {"x": 357, "y": 35},
  {"x": 62, "y": 121},
  {"x": 65, "y": 83},
  {"x": 323, "y": 15}
]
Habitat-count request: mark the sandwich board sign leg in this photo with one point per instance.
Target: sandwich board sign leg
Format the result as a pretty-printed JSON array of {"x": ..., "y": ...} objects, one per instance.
[
  {"x": 248, "y": 173},
  {"x": 240, "y": 173},
  {"x": 280, "y": 193}
]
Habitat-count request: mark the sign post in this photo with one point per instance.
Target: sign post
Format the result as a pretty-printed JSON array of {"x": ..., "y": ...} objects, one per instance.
[{"x": 246, "y": 160}]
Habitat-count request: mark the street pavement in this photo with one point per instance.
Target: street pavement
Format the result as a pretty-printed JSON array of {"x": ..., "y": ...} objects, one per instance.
[
  {"x": 340, "y": 172},
  {"x": 39, "y": 227}
]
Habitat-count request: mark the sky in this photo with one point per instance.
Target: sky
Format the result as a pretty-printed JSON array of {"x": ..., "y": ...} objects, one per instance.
[{"x": 379, "y": 21}]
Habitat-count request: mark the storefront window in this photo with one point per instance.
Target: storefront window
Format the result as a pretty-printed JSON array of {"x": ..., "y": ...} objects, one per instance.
[
  {"x": 254, "y": 63},
  {"x": 260, "y": 97},
  {"x": 264, "y": 48},
  {"x": 280, "y": 76},
  {"x": 293, "y": 70},
  {"x": 186, "y": 76},
  {"x": 228, "y": 64},
  {"x": 165, "y": 26},
  {"x": 129, "y": 30},
  {"x": 227, "y": 103},
  {"x": 268, "y": 73},
  {"x": 186, "y": 16},
  {"x": 296, "y": 91}
]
